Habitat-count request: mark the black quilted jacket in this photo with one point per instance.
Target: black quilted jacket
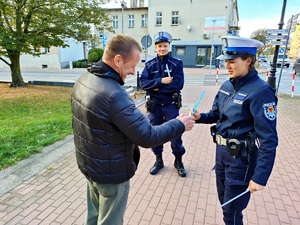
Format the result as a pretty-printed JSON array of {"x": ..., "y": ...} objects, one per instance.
[{"x": 108, "y": 127}]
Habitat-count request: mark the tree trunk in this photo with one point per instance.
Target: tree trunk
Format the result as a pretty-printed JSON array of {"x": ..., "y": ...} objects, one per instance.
[{"x": 16, "y": 76}]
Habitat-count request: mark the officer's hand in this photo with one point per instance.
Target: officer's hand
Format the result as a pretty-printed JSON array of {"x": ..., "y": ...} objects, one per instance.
[
  {"x": 166, "y": 80},
  {"x": 255, "y": 186},
  {"x": 188, "y": 121},
  {"x": 196, "y": 114}
]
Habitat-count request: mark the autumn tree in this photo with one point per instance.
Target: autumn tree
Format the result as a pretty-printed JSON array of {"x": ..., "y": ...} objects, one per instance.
[
  {"x": 28, "y": 25},
  {"x": 260, "y": 35}
]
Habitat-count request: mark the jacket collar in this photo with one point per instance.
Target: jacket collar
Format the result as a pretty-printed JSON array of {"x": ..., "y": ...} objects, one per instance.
[
  {"x": 163, "y": 59},
  {"x": 238, "y": 82},
  {"x": 101, "y": 69}
]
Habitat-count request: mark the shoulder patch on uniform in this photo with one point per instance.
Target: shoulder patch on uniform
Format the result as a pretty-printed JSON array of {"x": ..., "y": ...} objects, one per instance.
[{"x": 270, "y": 110}]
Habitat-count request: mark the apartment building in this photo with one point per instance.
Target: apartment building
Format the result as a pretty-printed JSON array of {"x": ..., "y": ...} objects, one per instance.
[{"x": 196, "y": 26}]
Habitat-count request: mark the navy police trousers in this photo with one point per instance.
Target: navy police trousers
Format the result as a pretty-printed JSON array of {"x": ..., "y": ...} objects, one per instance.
[
  {"x": 232, "y": 178},
  {"x": 161, "y": 114}
]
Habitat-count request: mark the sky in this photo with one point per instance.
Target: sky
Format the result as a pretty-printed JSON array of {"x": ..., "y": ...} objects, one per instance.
[{"x": 260, "y": 14}]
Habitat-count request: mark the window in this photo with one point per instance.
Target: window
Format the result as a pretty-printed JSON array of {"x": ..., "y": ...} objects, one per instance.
[
  {"x": 115, "y": 21},
  {"x": 158, "y": 19},
  {"x": 180, "y": 51},
  {"x": 144, "y": 20},
  {"x": 131, "y": 21},
  {"x": 175, "y": 18}
]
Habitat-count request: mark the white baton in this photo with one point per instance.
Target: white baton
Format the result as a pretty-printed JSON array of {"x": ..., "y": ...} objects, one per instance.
[
  {"x": 168, "y": 70},
  {"x": 198, "y": 103},
  {"x": 234, "y": 198}
]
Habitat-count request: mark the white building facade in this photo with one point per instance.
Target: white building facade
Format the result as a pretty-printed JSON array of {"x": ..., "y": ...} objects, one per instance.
[{"x": 196, "y": 27}]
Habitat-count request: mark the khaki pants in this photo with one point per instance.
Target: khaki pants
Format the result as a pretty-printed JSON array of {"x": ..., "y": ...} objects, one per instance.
[{"x": 106, "y": 203}]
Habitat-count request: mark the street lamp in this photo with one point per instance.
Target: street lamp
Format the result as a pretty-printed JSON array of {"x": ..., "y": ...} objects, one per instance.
[
  {"x": 212, "y": 46},
  {"x": 272, "y": 77},
  {"x": 123, "y": 6}
]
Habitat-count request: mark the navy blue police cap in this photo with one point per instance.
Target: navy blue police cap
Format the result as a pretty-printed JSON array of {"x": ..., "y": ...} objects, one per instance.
[
  {"x": 235, "y": 46},
  {"x": 163, "y": 37}
]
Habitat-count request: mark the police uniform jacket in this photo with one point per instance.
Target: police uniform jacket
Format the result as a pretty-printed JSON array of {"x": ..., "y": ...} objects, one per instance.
[
  {"x": 245, "y": 105},
  {"x": 155, "y": 69},
  {"x": 108, "y": 127}
]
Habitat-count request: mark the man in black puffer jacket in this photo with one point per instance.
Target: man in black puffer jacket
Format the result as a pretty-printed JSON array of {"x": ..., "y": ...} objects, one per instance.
[{"x": 108, "y": 129}]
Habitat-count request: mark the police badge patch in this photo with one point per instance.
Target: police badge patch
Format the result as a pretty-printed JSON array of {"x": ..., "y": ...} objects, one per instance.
[{"x": 270, "y": 110}]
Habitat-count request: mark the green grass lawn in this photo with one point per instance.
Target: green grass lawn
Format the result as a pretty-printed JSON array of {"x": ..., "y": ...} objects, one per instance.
[{"x": 32, "y": 118}]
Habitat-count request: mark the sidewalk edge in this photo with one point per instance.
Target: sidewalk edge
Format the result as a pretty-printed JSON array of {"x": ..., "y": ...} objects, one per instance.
[{"x": 23, "y": 170}]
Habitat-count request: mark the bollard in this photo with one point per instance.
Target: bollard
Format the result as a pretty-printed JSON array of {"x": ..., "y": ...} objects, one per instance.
[
  {"x": 267, "y": 74},
  {"x": 70, "y": 65},
  {"x": 138, "y": 81},
  {"x": 293, "y": 84},
  {"x": 217, "y": 76}
]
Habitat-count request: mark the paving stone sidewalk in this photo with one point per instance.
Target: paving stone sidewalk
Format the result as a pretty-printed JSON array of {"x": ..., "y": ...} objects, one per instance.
[{"x": 41, "y": 191}]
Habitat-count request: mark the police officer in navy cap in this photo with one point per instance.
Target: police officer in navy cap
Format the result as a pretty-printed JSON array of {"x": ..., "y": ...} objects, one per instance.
[
  {"x": 163, "y": 80},
  {"x": 244, "y": 111}
]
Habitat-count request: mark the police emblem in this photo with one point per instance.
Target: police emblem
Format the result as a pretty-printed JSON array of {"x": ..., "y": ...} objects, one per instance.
[{"x": 270, "y": 110}]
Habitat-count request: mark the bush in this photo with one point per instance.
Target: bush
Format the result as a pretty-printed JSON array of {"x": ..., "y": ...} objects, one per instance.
[
  {"x": 98, "y": 51},
  {"x": 93, "y": 57},
  {"x": 77, "y": 64},
  {"x": 83, "y": 64}
]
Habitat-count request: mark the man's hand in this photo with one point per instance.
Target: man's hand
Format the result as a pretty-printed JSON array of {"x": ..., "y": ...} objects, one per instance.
[
  {"x": 188, "y": 121},
  {"x": 166, "y": 80},
  {"x": 255, "y": 186}
]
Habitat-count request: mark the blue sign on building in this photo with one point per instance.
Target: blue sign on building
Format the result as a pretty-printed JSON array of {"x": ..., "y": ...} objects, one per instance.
[{"x": 104, "y": 40}]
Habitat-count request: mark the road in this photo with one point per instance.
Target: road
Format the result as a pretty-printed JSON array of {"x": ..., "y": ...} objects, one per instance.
[{"x": 191, "y": 78}]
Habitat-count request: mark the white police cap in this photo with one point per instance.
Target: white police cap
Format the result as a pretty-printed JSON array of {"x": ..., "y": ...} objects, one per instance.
[
  {"x": 235, "y": 46},
  {"x": 163, "y": 37}
]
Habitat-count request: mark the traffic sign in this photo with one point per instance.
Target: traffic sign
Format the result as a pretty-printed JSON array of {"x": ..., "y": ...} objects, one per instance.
[
  {"x": 292, "y": 22},
  {"x": 276, "y": 42},
  {"x": 277, "y": 31},
  {"x": 146, "y": 41},
  {"x": 293, "y": 29},
  {"x": 281, "y": 50},
  {"x": 276, "y": 37}
]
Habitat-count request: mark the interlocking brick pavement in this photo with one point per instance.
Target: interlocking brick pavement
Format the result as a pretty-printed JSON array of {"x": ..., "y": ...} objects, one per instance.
[{"x": 56, "y": 193}]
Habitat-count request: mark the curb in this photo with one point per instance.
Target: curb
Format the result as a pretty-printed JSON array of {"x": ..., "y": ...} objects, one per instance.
[{"x": 26, "y": 168}]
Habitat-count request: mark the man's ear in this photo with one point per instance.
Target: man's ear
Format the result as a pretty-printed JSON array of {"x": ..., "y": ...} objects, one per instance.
[{"x": 117, "y": 60}]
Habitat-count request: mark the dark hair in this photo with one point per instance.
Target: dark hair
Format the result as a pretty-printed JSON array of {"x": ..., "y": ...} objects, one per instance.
[
  {"x": 121, "y": 44},
  {"x": 253, "y": 60}
]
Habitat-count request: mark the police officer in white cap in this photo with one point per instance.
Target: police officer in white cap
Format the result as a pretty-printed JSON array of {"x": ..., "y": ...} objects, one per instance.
[
  {"x": 244, "y": 111},
  {"x": 163, "y": 80}
]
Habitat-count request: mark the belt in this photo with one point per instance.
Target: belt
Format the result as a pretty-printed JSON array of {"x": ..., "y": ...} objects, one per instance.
[{"x": 220, "y": 140}]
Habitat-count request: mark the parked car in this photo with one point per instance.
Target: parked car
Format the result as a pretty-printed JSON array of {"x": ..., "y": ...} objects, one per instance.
[
  {"x": 263, "y": 58},
  {"x": 296, "y": 67},
  {"x": 286, "y": 61}
]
